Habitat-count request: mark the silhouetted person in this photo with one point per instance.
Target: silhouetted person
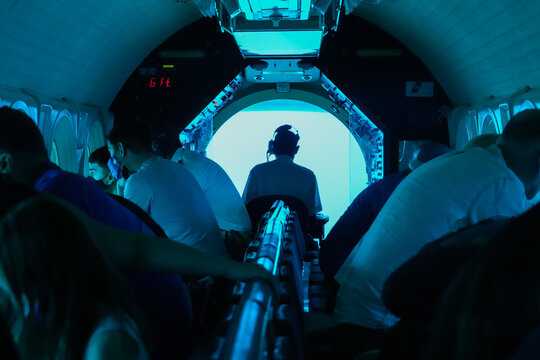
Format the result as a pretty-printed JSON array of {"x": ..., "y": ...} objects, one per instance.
[
  {"x": 442, "y": 196},
  {"x": 448, "y": 193},
  {"x": 415, "y": 289},
  {"x": 164, "y": 189},
  {"x": 68, "y": 302},
  {"x": 23, "y": 158},
  {"x": 231, "y": 214},
  {"x": 282, "y": 176},
  {"x": 359, "y": 216},
  {"x": 492, "y": 306}
]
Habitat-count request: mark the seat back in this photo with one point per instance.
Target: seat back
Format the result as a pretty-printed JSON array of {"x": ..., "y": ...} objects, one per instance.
[{"x": 257, "y": 207}]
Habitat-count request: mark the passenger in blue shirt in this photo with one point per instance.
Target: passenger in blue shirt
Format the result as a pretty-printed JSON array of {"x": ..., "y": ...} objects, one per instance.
[
  {"x": 162, "y": 298},
  {"x": 359, "y": 216}
]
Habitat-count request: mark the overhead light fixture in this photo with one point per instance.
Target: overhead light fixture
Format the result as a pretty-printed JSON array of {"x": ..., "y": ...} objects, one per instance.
[
  {"x": 258, "y": 78},
  {"x": 278, "y": 28},
  {"x": 307, "y": 77}
]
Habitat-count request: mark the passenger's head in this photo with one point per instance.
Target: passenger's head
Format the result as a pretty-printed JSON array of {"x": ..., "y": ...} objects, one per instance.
[
  {"x": 128, "y": 141},
  {"x": 520, "y": 146},
  {"x": 97, "y": 164},
  {"x": 165, "y": 144},
  {"x": 482, "y": 141},
  {"x": 428, "y": 151},
  {"x": 22, "y": 149},
  {"x": 284, "y": 141},
  {"x": 58, "y": 281}
]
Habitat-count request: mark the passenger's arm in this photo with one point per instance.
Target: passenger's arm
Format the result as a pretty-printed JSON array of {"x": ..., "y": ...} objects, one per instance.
[{"x": 137, "y": 251}]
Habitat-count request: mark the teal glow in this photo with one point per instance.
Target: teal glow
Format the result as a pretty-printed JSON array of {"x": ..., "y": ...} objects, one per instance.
[
  {"x": 282, "y": 43},
  {"x": 326, "y": 147}
]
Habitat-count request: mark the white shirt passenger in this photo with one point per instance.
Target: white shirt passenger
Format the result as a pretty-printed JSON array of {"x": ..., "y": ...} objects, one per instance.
[
  {"x": 283, "y": 177},
  {"x": 220, "y": 191},
  {"x": 437, "y": 198},
  {"x": 174, "y": 199}
]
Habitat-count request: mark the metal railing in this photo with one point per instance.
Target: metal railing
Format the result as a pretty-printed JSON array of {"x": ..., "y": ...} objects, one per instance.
[{"x": 246, "y": 336}]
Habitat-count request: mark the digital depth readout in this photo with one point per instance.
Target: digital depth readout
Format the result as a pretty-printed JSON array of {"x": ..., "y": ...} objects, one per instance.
[
  {"x": 160, "y": 82},
  {"x": 155, "y": 82}
]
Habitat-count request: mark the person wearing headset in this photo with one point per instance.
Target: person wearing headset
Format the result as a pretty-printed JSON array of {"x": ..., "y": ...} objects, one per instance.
[{"x": 282, "y": 176}]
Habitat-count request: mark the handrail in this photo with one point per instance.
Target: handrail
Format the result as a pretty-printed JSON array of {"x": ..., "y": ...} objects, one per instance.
[{"x": 246, "y": 335}]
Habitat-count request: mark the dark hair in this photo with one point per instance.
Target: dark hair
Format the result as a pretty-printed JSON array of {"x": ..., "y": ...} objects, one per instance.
[
  {"x": 284, "y": 141},
  {"x": 135, "y": 135},
  {"x": 48, "y": 256},
  {"x": 493, "y": 304},
  {"x": 19, "y": 133},
  {"x": 13, "y": 193},
  {"x": 523, "y": 127},
  {"x": 100, "y": 156}
]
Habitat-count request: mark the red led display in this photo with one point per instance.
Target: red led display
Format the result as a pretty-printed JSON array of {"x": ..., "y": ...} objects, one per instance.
[{"x": 160, "y": 82}]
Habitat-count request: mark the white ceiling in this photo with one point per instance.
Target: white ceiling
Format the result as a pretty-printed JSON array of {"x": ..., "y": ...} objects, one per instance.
[
  {"x": 475, "y": 48},
  {"x": 84, "y": 50}
]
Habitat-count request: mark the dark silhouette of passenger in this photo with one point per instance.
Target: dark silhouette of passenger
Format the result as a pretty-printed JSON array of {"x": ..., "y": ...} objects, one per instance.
[
  {"x": 164, "y": 189},
  {"x": 442, "y": 196},
  {"x": 359, "y": 216},
  {"x": 415, "y": 289},
  {"x": 99, "y": 170},
  {"x": 62, "y": 309},
  {"x": 492, "y": 306},
  {"x": 448, "y": 193},
  {"x": 23, "y": 158},
  {"x": 282, "y": 176},
  {"x": 129, "y": 250}
]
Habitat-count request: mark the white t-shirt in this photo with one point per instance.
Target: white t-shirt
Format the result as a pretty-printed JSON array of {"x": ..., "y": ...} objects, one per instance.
[
  {"x": 174, "y": 199},
  {"x": 437, "y": 198},
  {"x": 283, "y": 177},
  {"x": 220, "y": 191}
]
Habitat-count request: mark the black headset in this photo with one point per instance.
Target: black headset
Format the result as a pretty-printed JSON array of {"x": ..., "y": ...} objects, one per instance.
[{"x": 284, "y": 133}]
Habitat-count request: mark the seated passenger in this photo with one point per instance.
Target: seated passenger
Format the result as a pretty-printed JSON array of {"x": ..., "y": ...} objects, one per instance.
[
  {"x": 23, "y": 158},
  {"x": 63, "y": 310},
  {"x": 164, "y": 189},
  {"x": 492, "y": 306},
  {"x": 218, "y": 187},
  {"x": 414, "y": 291},
  {"x": 451, "y": 192},
  {"x": 99, "y": 170},
  {"x": 282, "y": 176},
  {"x": 232, "y": 216},
  {"x": 359, "y": 216},
  {"x": 136, "y": 251}
]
